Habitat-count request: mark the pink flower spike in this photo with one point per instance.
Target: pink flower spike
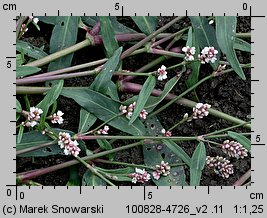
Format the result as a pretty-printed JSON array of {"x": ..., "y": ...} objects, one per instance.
[
  {"x": 70, "y": 147},
  {"x": 140, "y": 175}
]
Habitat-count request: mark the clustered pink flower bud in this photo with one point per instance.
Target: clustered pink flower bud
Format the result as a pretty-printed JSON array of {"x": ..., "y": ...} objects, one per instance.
[
  {"x": 234, "y": 149},
  {"x": 200, "y": 110},
  {"x": 208, "y": 54},
  {"x": 220, "y": 166},
  {"x": 129, "y": 111},
  {"x": 70, "y": 147},
  {"x": 219, "y": 70},
  {"x": 34, "y": 19},
  {"x": 166, "y": 133},
  {"x": 143, "y": 114},
  {"x": 161, "y": 170},
  {"x": 162, "y": 73},
  {"x": 23, "y": 29},
  {"x": 141, "y": 176},
  {"x": 32, "y": 117},
  {"x": 189, "y": 53},
  {"x": 57, "y": 117},
  {"x": 103, "y": 131}
]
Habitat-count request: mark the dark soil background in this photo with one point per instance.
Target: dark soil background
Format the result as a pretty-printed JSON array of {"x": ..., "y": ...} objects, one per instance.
[{"x": 227, "y": 93}]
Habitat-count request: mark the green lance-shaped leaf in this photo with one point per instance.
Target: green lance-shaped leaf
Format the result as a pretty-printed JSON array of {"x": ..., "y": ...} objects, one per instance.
[
  {"x": 108, "y": 36},
  {"x": 20, "y": 59},
  {"x": 104, "y": 108},
  {"x": 34, "y": 138},
  {"x": 50, "y": 99},
  {"x": 120, "y": 174},
  {"x": 48, "y": 19},
  {"x": 22, "y": 71},
  {"x": 102, "y": 82},
  {"x": 105, "y": 145},
  {"x": 194, "y": 65},
  {"x": 152, "y": 101},
  {"x": 64, "y": 35},
  {"x": 205, "y": 35},
  {"x": 146, "y": 24},
  {"x": 243, "y": 140},
  {"x": 242, "y": 45},
  {"x": 20, "y": 135},
  {"x": 176, "y": 149},
  {"x": 225, "y": 32},
  {"x": 87, "y": 119},
  {"x": 198, "y": 161},
  {"x": 74, "y": 179},
  {"x": 155, "y": 152},
  {"x": 18, "y": 106},
  {"x": 18, "y": 109},
  {"x": 30, "y": 50},
  {"x": 143, "y": 97},
  {"x": 90, "y": 179}
]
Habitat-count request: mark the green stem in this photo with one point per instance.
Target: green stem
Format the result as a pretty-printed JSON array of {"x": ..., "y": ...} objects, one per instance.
[
  {"x": 179, "y": 123},
  {"x": 135, "y": 88},
  {"x": 148, "y": 38},
  {"x": 94, "y": 171},
  {"x": 165, "y": 53},
  {"x": 123, "y": 164},
  {"x": 157, "y": 138},
  {"x": 133, "y": 165},
  {"x": 225, "y": 135},
  {"x": 169, "y": 37},
  {"x": 52, "y": 57},
  {"x": 123, "y": 73},
  {"x": 177, "y": 65},
  {"x": 55, "y": 77},
  {"x": 243, "y": 35},
  {"x": 70, "y": 69},
  {"x": 106, "y": 122},
  {"x": 26, "y": 150},
  {"x": 180, "y": 96},
  {"x": 226, "y": 129},
  {"x": 211, "y": 142}
]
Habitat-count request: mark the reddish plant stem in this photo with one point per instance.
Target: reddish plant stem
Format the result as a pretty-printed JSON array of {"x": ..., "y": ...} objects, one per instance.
[
  {"x": 243, "y": 178},
  {"x": 25, "y": 176},
  {"x": 151, "y": 36},
  {"x": 96, "y": 29},
  {"x": 55, "y": 77}
]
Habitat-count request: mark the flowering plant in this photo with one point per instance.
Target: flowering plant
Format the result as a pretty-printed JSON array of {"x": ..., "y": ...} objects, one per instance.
[{"x": 98, "y": 104}]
